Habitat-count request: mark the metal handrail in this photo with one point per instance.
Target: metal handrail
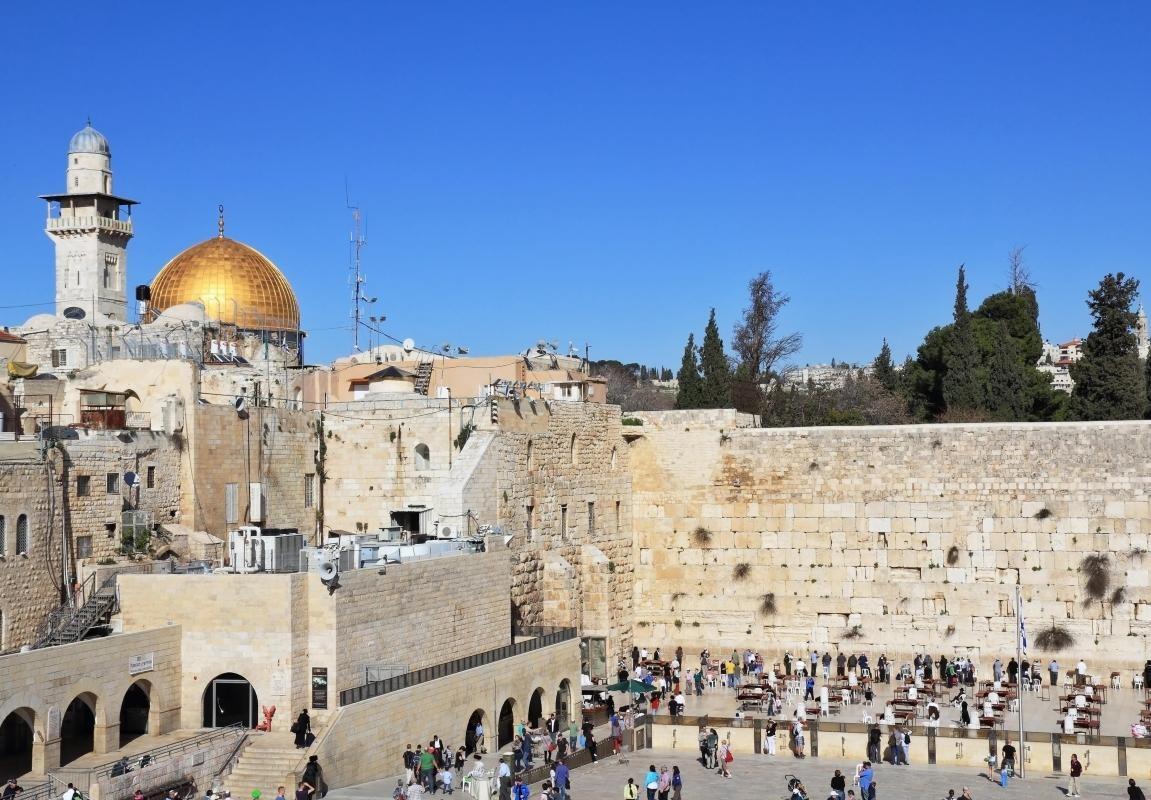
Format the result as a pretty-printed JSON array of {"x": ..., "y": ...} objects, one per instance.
[
  {"x": 544, "y": 637},
  {"x": 161, "y": 753}
]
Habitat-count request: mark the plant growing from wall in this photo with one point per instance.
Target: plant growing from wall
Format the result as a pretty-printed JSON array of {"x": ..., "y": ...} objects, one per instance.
[
  {"x": 1054, "y": 639},
  {"x": 1096, "y": 569},
  {"x": 741, "y": 571},
  {"x": 632, "y": 421},
  {"x": 952, "y": 556},
  {"x": 462, "y": 437},
  {"x": 1042, "y": 513},
  {"x": 701, "y": 536},
  {"x": 767, "y": 604},
  {"x": 854, "y": 632},
  {"x": 1119, "y": 596}
]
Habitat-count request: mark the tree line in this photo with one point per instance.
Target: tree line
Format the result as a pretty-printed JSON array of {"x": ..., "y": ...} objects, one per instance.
[{"x": 982, "y": 366}]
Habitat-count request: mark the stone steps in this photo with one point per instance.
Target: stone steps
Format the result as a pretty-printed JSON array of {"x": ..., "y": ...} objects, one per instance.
[{"x": 265, "y": 764}]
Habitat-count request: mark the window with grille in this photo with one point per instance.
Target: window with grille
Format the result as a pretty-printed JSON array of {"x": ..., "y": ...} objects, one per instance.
[
  {"x": 150, "y": 481},
  {"x": 112, "y": 483},
  {"x": 309, "y": 490},
  {"x": 83, "y": 547},
  {"x": 60, "y": 357},
  {"x": 22, "y": 533},
  {"x": 83, "y": 485}
]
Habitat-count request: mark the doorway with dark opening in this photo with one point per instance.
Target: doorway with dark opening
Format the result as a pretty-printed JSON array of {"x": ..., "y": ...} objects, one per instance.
[
  {"x": 78, "y": 728},
  {"x": 230, "y": 699},
  {"x": 134, "y": 712},
  {"x": 16, "y": 743}
]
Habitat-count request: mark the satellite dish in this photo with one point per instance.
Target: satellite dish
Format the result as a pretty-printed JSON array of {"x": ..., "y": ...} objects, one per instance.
[
  {"x": 74, "y": 312},
  {"x": 240, "y": 403},
  {"x": 131, "y": 479},
  {"x": 409, "y": 345}
]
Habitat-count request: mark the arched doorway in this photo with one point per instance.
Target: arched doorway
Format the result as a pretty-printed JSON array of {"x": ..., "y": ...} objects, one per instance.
[
  {"x": 78, "y": 728},
  {"x": 134, "y": 711},
  {"x": 536, "y": 708},
  {"x": 16, "y": 742},
  {"x": 507, "y": 724},
  {"x": 478, "y": 717},
  {"x": 563, "y": 703},
  {"x": 229, "y": 699}
]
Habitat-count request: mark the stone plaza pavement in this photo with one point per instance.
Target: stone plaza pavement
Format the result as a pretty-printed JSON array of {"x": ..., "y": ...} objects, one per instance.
[{"x": 763, "y": 778}]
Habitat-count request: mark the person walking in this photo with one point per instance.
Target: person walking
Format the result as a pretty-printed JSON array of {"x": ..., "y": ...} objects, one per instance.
[
  {"x": 301, "y": 729},
  {"x": 664, "y": 784},
  {"x": 905, "y": 746},
  {"x": 677, "y": 784},
  {"x": 725, "y": 759},
  {"x": 866, "y": 776},
  {"x": 563, "y": 780},
  {"x": 874, "y": 740},
  {"x": 1133, "y": 791},
  {"x": 1076, "y": 773},
  {"x": 769, "y": 737},
  {"x": 630, "y": 790},
  {"x": 314, "y": 777},
  {"x": 713, "y": 749},
  {"x": 1053, "y": 671}
]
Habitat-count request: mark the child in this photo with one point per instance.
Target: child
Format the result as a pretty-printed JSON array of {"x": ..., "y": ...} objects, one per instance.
[{"x": 446, "y": 780}]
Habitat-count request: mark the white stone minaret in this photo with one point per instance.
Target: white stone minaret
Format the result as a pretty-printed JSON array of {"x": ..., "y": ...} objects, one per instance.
[{"x": 91, "y": 228}]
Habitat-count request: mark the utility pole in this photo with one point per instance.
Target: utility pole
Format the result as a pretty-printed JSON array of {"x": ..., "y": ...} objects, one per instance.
[
  {"x": 450, "y": 442},
  {"x": 357, "y": 277}
]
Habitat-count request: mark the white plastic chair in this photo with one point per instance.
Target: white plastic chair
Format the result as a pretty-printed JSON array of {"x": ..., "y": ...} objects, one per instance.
[
  {"x": 1080, "y": 701},
  {"x": 1137, "y": 681}
]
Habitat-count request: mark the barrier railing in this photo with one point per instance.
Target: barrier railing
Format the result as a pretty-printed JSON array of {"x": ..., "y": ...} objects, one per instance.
[{"x": 542, "y": 637}]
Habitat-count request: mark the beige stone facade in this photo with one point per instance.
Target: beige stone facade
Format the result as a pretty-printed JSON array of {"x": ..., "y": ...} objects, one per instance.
[
  {"x": 40, "y": 685},
  {"x": 274, "y": 629},
  {"x": 366, "y": 740},
  {"x": 910, "y": 538}
]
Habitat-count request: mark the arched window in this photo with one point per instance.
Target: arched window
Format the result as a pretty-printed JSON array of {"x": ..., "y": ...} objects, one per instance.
[
  {"x": 22, "y": 533},
  {"x": 573, "y": 449},
  {"x": 529, "y": 455},
  {"x": 423, "y": 457},
  {"x": 613, "y": 455}
]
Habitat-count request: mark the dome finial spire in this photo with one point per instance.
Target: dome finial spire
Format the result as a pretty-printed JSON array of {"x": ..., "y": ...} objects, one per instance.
[
  {"x": 89, "y": 123},
  {"x": 220, "y": 222}
]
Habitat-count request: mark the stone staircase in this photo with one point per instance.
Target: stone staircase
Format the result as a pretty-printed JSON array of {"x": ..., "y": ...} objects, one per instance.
[{"x": 269, "y": 761}]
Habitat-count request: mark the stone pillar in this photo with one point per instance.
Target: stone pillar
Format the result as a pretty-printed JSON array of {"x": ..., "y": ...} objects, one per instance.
[
  {"x": 45, "y": 756},
  {"x": 106, "y": 738}
]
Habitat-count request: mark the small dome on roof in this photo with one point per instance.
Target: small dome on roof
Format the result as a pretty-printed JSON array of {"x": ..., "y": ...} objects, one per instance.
[{"x": 89, "y": 140}]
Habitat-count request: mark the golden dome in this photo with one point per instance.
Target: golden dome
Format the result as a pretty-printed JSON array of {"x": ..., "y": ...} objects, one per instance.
[{"x": 235, "y": 283}]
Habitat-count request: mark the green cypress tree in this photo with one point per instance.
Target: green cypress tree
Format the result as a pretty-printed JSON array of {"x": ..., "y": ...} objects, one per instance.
[
  {"x": 1109, "y": 380},
  {"x": 1007, "y": 383},
  {"x": 883, "y": 368},
  {"x": 961, "y": 385},
  {"x": 715, "y": 367},
  {"x": 690, "y": 394},
  {"x": 1147, "y": 379}
]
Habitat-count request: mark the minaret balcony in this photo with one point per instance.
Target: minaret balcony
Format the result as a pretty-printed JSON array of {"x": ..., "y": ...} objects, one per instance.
[{"x": 91, "y": 223}]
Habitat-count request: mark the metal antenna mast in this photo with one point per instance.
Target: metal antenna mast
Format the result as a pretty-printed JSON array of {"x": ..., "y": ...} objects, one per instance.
[{"x": 357, "y": 278}]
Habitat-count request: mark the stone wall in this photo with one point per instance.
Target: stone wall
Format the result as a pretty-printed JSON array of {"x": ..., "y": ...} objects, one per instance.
[
  {"x": 366, "y": 740},
  {"x": 568, "y": 456},
  {"x": 40, "y": 684},
  {"x": 890, "y": 538},
  {"x": 275, "y": 447},
  {"x": 273, "y": 629},
  {"x": 82, "y": 509}
]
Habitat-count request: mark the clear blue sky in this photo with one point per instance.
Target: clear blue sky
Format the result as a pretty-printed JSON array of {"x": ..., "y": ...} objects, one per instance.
[{"x": 602, "y": 172}]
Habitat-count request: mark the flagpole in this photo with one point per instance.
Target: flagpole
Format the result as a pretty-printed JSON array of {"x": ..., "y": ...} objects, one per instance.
[{"x": 1022, "y": 749}]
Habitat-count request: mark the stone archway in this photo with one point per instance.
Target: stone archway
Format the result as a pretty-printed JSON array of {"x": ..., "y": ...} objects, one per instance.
[
  {"x": 506, "y": 729},
  {"x": 134, "y": 711},
  {"x": 229, "y": 699},
  {"x": 564, "y": 703},
  {"x": 472, "y": 743},
  {"x": 78, "y": 728},
  {"x": 536, "y": 708},
  {"x": 16, "y": 742}
]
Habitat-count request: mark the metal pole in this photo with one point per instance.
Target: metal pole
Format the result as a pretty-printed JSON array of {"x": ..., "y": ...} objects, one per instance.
[
  {"x": 1019, "y": 693},
  {"x": 449, "y": 427}
]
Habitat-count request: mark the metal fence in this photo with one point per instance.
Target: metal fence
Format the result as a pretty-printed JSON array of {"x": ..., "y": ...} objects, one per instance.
[{"x": 542, "y": 637}]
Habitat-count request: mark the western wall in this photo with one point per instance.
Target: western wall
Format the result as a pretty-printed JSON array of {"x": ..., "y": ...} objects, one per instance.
[{"x": 895, "y": 539}]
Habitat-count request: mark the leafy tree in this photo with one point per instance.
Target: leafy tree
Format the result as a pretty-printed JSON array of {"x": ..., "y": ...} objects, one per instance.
[
  {"x": 1109, "y": 383},
  {"x": 715, "y": 367},
  {"x": 756, "y": 338},
  {"x": 666, "y": 374},
  {"x": 884, "y": 369},
  {"x": 690, "y": 394},
  {"x": 962, "y": 389},
  {"x": 1007, "y": 387},
  {"x": 643, "y": 373}
]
